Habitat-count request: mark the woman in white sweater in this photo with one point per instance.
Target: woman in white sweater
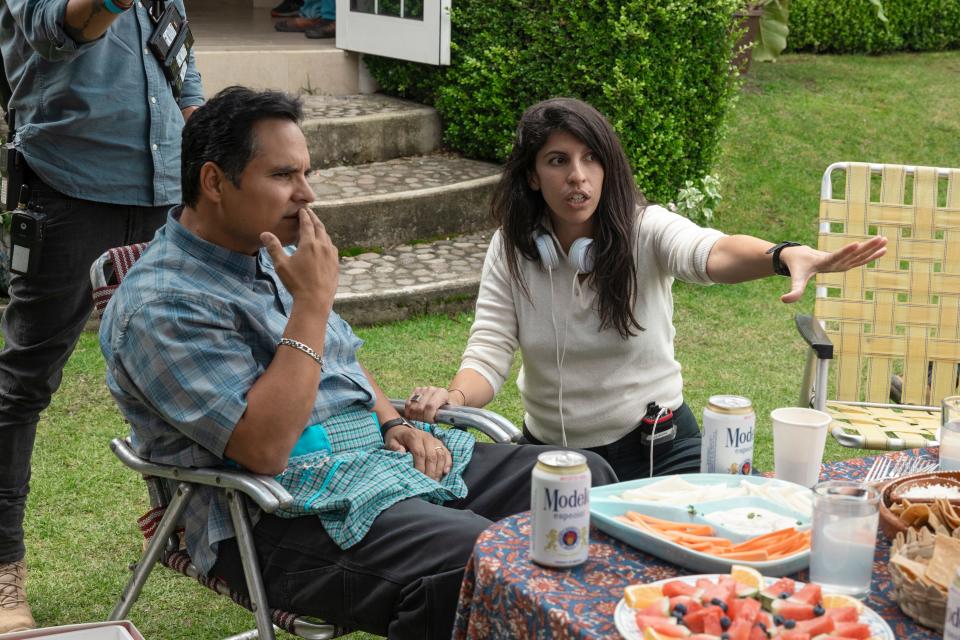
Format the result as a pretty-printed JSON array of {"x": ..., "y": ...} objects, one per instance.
[{"x": 578, "y": 277}]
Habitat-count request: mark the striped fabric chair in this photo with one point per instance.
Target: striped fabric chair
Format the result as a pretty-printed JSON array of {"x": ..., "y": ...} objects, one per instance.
[
  {"x": 169, "y": 489},
  {"x": 892, "y": 327}
]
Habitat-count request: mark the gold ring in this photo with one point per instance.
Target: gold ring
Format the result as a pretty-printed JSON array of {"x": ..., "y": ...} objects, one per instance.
[{"x": 437, "y": 448}]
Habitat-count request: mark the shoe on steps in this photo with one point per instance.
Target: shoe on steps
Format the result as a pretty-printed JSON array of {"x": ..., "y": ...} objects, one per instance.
[
  {"x": 287, "y": 9},
  {"x": 328, "y": 30},
  {"x": 15, "y": 614},
  {"x": 299, "y": 24}
]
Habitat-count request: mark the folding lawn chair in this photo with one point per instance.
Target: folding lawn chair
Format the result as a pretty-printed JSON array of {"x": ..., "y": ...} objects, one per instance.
[
  {"x": 169, "y": 488},
  {"x": 893, "y": 327}
]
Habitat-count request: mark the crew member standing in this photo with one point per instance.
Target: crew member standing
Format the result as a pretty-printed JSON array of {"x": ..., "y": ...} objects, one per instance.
[{"x": 98, "y": 103}]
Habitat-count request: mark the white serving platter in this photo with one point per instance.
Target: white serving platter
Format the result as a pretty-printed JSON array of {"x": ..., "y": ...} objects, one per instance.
[
  {"x": 625, "y": 618},
  {"x": 605, "y": 506}
]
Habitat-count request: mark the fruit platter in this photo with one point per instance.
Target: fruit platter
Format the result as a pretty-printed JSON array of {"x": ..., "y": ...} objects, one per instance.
[
  {"x": 710, "y": 522},
  {"x": 743, "y": 605}
]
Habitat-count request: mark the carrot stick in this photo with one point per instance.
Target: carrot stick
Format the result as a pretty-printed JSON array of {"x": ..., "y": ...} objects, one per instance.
[
  {"x": 762, "y": 541},
  {"x": 750, "y": 556},
  {"x": 723, "y": 542}
]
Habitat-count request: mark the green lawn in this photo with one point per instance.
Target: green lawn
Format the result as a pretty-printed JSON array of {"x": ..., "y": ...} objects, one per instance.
[{"x": 793, "y": 119}]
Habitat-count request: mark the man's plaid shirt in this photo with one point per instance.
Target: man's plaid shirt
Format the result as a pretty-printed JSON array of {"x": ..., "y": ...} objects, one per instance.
[{"x": 188, "y": 333}]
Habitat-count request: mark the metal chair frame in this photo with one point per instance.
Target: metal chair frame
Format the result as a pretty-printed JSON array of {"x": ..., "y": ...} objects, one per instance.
[
  {"x": 241, "y": 489},
  {"x": 885, "y": 312}
]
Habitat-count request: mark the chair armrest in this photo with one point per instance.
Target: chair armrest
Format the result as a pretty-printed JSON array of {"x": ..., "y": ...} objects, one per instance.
[
  {"x": 493, "y": 425},
  {"x": 813, "y": 334},
  {"x": 266, "y": 492}
]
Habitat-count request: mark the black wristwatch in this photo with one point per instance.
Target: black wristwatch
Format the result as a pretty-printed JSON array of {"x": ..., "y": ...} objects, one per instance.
[
  {"x": 778, "y": 267},
  {"x": 390, "y": 424}
]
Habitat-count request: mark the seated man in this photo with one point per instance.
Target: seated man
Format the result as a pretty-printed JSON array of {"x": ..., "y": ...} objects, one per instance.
[{"x": 223, "y": 348}]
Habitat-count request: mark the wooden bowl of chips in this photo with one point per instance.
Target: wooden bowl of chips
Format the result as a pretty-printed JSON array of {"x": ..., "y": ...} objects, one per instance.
[{"x": 939, "y": 515}]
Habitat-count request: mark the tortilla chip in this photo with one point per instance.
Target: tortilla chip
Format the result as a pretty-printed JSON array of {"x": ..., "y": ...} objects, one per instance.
[
  {"x": 944, "y": 562},
  {"x": 936, "y": 524},
  {"x": 948, "y": 514},
  {"x": 911, "y": 569},
  {"x": 916, "y": 515}
]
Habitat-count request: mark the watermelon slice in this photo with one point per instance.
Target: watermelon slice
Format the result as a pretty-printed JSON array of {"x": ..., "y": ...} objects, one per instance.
[
  {"x": 659, "y": 607},
  {"x": 739, "y": 630},
  {"x": 756, "y": 633},
  {"x": 774, "y": 591},
  {"x": 793, "y": 611},
  {"x": 663, "y": 626},
  {"x": 711, "y": 621},
  {"x": 745, "y": 609},
  {"x": 690, "y": 604},
  {"x": 817, "y": 626},
  {"x": 844, "y": 614},
  {"x": 809, "y": 594},
  {"x": 695, "y": 619},
  {"x": 851, "y": 630},
  {"x": 678, "y": 588}
]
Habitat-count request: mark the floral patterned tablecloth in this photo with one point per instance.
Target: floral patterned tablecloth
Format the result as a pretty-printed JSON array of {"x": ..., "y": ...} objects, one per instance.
[{"x": 504, "y": 595}]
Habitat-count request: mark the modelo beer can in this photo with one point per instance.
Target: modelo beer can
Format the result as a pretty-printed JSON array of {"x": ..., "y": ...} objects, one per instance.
[
  {"x": 560, "y": 509},
  {"x": 728, "y": 426}
]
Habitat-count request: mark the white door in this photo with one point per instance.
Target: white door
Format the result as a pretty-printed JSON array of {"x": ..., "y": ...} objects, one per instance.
[{"x": 414, "y": 30}]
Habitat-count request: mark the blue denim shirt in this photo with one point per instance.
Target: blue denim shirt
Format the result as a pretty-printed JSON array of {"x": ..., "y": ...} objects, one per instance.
[{"x": 96, "y": 121}]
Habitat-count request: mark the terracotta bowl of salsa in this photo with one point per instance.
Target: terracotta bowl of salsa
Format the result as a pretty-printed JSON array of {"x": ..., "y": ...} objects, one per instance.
[{"x": 921, "y": 488}]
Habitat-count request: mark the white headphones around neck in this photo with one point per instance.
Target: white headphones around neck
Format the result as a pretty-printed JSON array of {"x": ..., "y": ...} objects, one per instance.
[{"x": 580, "y": 256}]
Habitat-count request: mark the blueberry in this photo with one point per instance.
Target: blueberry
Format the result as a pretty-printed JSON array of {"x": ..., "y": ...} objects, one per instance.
[
  {"x": 762, "y": 626},
  {"x": 719, "y": 603},
  {"x": 778, "y": 619},
  {"x": 784, "y": 595},
  {"x": 724, "y": 622},
  {"x": 789, "y": 624},
  {"x": 819, "y": 610},
  {"x": 680, "y": 608},
  {"x": 724, "y": 636}
]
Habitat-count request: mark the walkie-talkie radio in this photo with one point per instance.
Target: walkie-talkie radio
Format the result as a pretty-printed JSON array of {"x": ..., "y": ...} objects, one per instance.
[
  {"x": 26, "y": 236},
  {"x": 171, "y": 42}
]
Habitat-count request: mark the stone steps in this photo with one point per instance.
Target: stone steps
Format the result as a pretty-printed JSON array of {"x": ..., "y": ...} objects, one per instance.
[
  {"x": 402, "y": 200},
  {"x": 436, "y": 277},
  {"x": 357, "y": 129}
]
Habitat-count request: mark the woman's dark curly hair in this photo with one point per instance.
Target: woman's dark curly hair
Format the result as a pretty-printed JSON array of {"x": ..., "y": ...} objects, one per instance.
[{"x": 519, "y": 209}]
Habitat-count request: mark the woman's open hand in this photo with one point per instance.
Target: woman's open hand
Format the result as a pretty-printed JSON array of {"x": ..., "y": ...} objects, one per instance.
[{"x": 804, "y": 263}]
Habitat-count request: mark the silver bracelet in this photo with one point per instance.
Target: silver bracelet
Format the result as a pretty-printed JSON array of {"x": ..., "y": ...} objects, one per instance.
[{"x": 299, "y": 346}]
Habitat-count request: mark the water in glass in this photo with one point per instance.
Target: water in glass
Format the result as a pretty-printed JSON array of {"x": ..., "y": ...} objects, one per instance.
[{"x": 845, "y": 518}]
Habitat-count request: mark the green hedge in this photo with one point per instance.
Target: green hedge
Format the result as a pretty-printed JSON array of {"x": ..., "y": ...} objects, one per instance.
[
  {"x": 851, "y": 26},
  {"x": 658, "y": 69}
]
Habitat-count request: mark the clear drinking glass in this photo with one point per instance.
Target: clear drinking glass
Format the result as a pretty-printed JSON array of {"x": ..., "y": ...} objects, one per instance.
[
  {"x": 950, "y": 434},
  {"x": 845, "y": 518}
]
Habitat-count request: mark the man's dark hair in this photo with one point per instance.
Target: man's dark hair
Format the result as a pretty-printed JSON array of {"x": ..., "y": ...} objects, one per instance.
[{"x": 221, "y": 131}]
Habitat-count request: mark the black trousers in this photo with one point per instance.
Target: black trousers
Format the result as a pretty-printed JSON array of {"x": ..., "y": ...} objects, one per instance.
[
  {"x": 40, "y": 327},
  {"x": 403, "y": 579},
  {"x": 630, "y": 457}
]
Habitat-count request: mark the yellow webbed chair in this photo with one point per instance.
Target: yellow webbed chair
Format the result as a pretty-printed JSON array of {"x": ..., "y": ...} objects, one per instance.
[{"x": 893, "y": 326}]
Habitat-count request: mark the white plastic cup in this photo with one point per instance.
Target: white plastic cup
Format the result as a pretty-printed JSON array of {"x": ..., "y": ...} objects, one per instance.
[{"x": 799, "y": 435}]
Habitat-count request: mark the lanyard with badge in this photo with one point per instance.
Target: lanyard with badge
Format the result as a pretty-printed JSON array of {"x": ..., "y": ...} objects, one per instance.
[{"x": 170, "y": 42}]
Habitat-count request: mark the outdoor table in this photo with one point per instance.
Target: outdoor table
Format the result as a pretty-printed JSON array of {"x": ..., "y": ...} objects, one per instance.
[{"x": 505, "y": 595}]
